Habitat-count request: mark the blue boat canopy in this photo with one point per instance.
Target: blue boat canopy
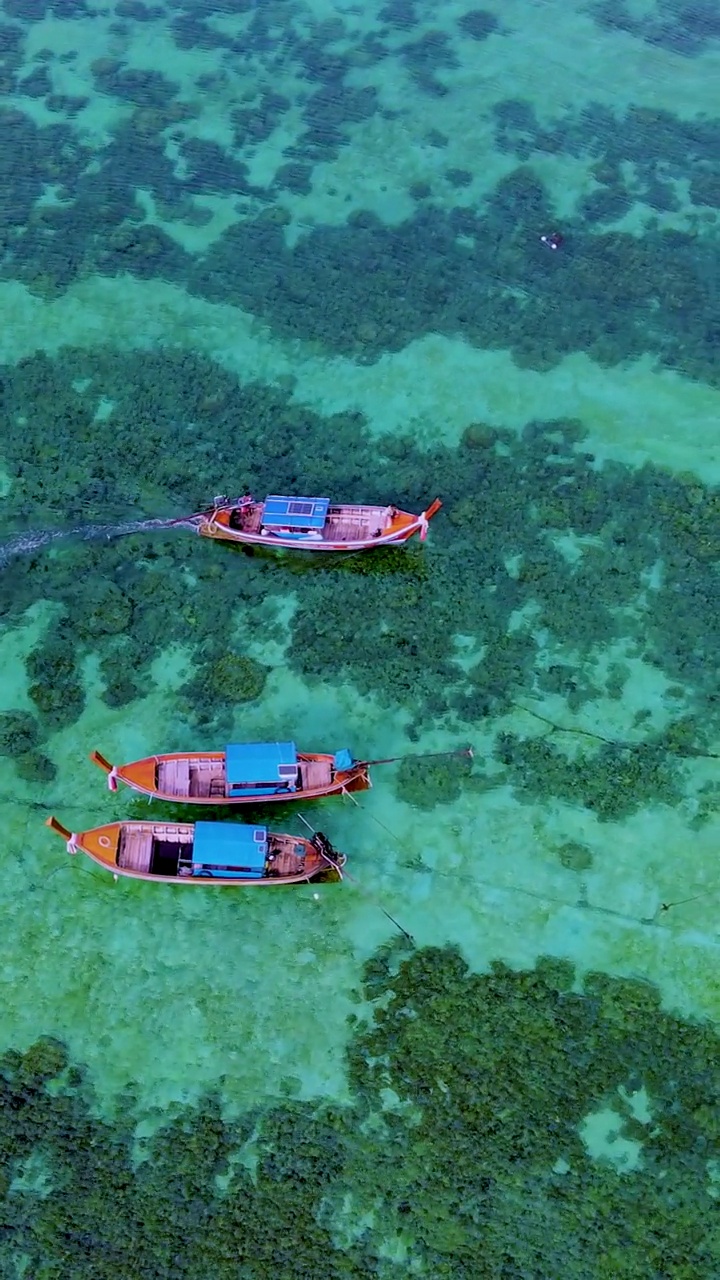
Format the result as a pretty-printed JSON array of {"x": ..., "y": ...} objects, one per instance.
[
  {"x": 249, "y": 765},
  {"x": 228, "y": 850},
  {"x": 294, "y": 513}
]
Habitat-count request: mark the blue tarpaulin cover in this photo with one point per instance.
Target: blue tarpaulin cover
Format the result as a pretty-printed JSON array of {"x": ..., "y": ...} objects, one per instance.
[
  {"x": 294, "y": 513},
  {"x": 343, "y": 759},
  {"x": 272, "y": 765},
  {"x": 228, "y": 849}
]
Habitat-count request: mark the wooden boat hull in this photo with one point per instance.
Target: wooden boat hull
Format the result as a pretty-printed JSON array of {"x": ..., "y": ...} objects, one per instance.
[
  {"x": 198, "y": 777},
  {"x": 138, "y": 849},
  {"x": 373, "y": 527}
]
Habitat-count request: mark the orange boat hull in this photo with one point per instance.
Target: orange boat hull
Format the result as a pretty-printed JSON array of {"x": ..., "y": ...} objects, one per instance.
[
  {"x": 376, "y": 527},
  {"x": 146, "y": 777},
  {"x": 116, "y": 845}
]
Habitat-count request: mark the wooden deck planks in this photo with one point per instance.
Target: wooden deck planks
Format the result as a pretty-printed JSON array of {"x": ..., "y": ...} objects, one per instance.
[
  {"x": 348, "y": 531},
  {"x": 207, "y": 778},
  {"x": 314, "y": 774},
  {"x": 174, "y": 777},
  {"x": 136, "y": 849},
  {"x": 286, "y": 861}
]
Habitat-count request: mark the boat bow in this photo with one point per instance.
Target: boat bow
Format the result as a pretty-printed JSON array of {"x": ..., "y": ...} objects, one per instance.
[{"x": 426, "y": 516}]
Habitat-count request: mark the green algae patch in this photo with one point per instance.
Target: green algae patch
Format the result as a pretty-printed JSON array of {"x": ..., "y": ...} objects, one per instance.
[
  {"x": 512, "y": 1122},
  {"x": 575, "y": 856},
  {"x": 503, "y": 1073},
  {"x": 231, "y": 678},
  {"x": 614, "y": 781},
  {"x": 427, "y": 781}
]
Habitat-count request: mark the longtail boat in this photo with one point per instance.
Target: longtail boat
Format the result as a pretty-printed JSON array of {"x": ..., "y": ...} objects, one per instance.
[
  {"x": 244, "y": 772},
  {"x": 206, "y": 853},
  {"x": 312, "y": 524}
]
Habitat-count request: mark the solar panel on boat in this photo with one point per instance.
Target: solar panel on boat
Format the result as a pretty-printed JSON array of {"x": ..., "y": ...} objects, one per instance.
[{"x": 281, "y": 511}]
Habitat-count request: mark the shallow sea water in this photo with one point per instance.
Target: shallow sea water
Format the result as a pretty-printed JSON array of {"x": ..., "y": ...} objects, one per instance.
[{"x": 176, "y": 993}]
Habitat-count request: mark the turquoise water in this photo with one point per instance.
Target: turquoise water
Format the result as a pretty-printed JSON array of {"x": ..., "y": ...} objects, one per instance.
[{"x": 298, "y": 248}]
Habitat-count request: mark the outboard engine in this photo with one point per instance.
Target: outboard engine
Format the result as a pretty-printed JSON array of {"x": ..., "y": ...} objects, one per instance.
[{"x": 323, "y": 846}]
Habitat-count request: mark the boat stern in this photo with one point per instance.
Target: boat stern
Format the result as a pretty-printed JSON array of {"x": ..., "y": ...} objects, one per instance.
[
  {"x": 355, "y": 778},
  {"x": 325, "y": 857}
]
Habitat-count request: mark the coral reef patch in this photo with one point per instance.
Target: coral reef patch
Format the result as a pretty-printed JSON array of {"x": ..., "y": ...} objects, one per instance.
[{"x": 501, "y": 1124}]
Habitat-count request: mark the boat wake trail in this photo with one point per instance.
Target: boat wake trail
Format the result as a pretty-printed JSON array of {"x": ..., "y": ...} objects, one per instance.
[{"x": 25, "y": 543}]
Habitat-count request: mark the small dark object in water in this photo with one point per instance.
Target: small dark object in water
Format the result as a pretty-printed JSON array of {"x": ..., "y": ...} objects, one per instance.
[{"x": 553, "y": 239}]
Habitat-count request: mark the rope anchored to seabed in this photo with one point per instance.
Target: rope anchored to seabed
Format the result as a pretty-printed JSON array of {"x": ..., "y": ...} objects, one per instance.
[
  {"x": 458, "y": 753},
  {"x": 685, "y": 751},
  {"x": 582, "y": 901},
  {"x": 322, "y": 847}
]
